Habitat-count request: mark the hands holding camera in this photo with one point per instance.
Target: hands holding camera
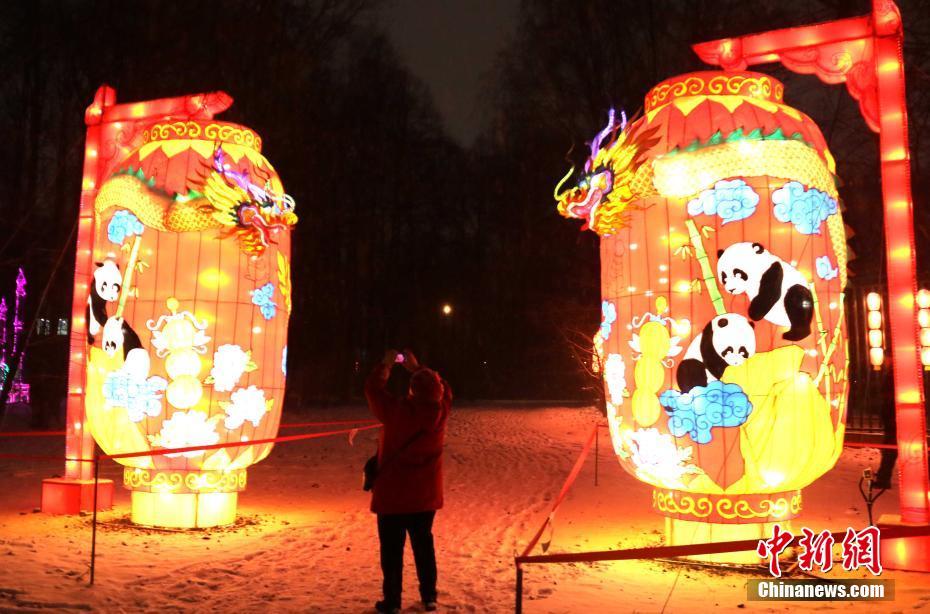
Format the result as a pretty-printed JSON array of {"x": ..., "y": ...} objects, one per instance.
[{"x": 405, "y": 358}]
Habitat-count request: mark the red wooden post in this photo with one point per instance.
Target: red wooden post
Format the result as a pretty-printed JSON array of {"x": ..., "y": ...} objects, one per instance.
[
  {"x": 112, "y": 129},
  {"x": 866, "y": 54}
]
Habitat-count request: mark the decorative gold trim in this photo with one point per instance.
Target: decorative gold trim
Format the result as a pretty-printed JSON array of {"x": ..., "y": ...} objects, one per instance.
[
  {"x": 748, "y": 85},
  {"x": 191, "y": 130},
  {"x": 726, "y": 509},
  {"x": 154, "y": 480}
]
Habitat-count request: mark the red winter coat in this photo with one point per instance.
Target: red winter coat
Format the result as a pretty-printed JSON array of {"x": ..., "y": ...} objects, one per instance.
[{"x": 410, "y": 480}]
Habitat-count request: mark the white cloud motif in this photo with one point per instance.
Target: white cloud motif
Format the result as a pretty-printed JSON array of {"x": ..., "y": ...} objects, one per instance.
[
  {"x": 185, "y": 429},
  {"x": 248, "y": 404},
  {"x": 615, "y": 376},
  {"x": 658, "y": 458},
  {"x": 229, "y": 363}
]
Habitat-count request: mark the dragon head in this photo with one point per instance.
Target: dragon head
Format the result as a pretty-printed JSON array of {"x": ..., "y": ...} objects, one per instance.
[{"x": 606, "y": 187}]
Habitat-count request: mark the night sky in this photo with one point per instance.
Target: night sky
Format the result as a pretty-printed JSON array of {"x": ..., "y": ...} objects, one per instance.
[{"x": 451, "y": 46}]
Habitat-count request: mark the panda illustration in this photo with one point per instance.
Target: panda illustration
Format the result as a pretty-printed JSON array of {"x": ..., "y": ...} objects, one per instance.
[
  {"x": 104, "y": 289},
  {"x": 777, "y": 291},
  {"x": 117, "y": 334},
  {"x": 728, "y": 339}
]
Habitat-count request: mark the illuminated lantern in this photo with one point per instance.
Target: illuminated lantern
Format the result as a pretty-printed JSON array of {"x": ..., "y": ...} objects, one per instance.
[
  {"x": 723, "y": 264},
  {"x": 923, "y": 320},
  {"x": 875, "y": 336},
  {"x": 187, "y": 316}
]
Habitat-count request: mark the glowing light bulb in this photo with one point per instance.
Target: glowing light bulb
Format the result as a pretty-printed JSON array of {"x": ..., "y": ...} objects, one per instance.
[
  {"x": 925, "y": 337},
  {"x": 923, "y": 299},
  {"x": 447, "y": 309},
  {"x": 923, "y": 318},
  {"x": 873, "y": 301}
]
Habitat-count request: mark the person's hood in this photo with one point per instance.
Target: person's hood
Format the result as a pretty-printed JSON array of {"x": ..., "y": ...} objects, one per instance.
[{"x": 426, "y": 386}]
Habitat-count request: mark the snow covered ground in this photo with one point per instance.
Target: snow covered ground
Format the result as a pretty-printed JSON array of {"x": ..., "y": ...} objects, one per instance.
[{"x": 306, "y": 541}]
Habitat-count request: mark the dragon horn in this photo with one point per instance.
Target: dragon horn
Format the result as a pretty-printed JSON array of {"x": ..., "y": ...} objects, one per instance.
[
  {"x": 557, "y": 191},
  {"x": 596, "y": 143}
]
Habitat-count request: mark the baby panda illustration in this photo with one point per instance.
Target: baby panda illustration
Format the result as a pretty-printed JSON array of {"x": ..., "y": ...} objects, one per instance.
[
  {"x": 777, "y": 291},
  {"x": 104, "y": 289},
  {"x": 728, "y": 339},
  {"x": 117, "y": 335}
]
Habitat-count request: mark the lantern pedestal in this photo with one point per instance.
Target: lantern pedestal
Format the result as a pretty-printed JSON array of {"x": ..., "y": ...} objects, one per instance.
[
  {"x": 184, "y": 499},
  {"x": 184, "y": 510},
  {"x": 68, "y": 496},
  {"x": 905, "y": 553}
]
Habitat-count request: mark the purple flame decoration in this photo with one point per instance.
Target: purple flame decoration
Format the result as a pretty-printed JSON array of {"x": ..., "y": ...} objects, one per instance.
[
  {"x": 599, "y": 139},
  {"x": 242, "y": 180}
]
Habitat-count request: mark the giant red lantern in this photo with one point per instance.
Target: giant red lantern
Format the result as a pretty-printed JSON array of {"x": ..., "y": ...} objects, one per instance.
[
  {"x": 723, "y": 341},
  {"x": 183, "y": 295}
]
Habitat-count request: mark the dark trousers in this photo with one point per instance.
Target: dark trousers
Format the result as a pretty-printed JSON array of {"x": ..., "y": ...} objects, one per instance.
[{"x": 392, "y": 532}]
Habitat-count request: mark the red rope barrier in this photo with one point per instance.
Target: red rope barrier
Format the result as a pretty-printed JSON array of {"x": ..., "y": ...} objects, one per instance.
[
  {"x": 860, "y": 444},
  {"x": 294, "y": 425},
  {"x": 45, "y": 457},
  {"x": 291, "y": 425},
  {"x": 573, "y": 474},
  {"x": 238, "y": 444},
  {"x": 659, "y": 552},
  {"x": 218, "y": 446}
]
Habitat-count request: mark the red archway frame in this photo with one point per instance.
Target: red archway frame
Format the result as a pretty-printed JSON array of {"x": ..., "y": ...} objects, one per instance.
[
  {"x": 112, "y": 130},
  {"x": 866, "y": 53}
]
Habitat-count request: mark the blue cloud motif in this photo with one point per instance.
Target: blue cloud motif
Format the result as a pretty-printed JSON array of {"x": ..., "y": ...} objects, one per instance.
[
  {"x": 141, "y": 397},
  {"x": 704, "y": 407},
  {"x": 123, "y": 224},
  {"x": 825, "y": 268},
  {"x": 261, "y": 298},
  {"x": 609, "y": 313},
  {"x": 806, "y": 209},
  {"x": 731, "y": 200}
]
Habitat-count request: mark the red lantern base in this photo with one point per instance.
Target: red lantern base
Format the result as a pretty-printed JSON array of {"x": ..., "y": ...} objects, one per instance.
[
  {"x": 67, "y": 496},
  {"x": 904, "y": 553}
]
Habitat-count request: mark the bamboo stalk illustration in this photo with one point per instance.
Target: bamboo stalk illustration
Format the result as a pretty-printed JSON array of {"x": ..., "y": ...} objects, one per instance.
[
  {"x": 127, "y": 277},
  {"x": 828, "y": 352},
  {"x": 710, "y": 279}
]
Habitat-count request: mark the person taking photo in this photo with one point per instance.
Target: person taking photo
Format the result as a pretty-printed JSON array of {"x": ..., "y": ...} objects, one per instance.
[{"x": 405, "y": 478}]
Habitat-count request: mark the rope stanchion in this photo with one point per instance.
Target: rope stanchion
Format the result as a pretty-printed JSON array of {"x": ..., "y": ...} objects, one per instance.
[
  {"x": 93, "y": 534},
  {"x": 573, "y": 474}
]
